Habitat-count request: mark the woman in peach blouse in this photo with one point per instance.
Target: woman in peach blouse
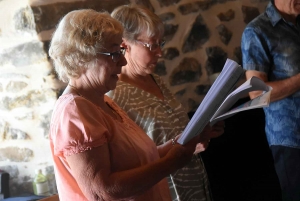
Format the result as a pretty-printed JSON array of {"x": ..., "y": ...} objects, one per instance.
[{"x": 98, "y": 152}]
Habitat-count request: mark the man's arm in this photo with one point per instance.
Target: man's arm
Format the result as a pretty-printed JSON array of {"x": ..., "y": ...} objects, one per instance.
[{"x": 281, "y": 88}]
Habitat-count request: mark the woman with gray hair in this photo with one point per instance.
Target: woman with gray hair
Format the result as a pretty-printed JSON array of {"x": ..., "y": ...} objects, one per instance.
[
  {"x": 147, "y": 100},
  {"x": 99, "y": 153}
]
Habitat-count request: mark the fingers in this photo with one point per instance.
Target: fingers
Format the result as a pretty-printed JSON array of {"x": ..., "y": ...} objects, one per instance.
[
  {"x": 205, "y": 134},
  {"x": 216, "y": 133},
  {"x": 200, "y": 147},
  {"x": 177, "y": 136},
  {"x": 191, "y": 145},
  {"x": 217, "y": 129}
]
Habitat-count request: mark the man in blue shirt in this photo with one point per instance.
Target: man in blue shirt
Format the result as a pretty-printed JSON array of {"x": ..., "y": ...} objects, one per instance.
[{"x": 271, "y": 51}]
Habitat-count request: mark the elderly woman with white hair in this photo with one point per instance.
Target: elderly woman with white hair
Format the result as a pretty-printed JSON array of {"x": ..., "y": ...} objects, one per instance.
[{"x": 99, "y": 153}]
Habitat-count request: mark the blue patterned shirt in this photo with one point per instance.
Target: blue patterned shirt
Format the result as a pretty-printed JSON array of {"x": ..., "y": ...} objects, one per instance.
[{"x": 272, "y": 45}]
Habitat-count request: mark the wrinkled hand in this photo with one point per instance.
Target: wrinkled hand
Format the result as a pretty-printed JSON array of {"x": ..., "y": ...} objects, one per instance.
[
  {"x": 209, "y": 132},
  {"x": 183, "y": 153},
  {"x": 217, "y": 129},
  {"x": 201, "y": 146},
  {"x": 190, "y": 146}
]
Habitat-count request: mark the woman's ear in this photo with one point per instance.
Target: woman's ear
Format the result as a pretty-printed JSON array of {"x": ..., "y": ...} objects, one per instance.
[{"x": 125, "y": 44}]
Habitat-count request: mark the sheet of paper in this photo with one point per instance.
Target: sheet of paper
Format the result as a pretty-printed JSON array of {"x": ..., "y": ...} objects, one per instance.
[
  {"x": 222, "y": 86},
  {"x": 258, "y": 102},
  {"x": 252, "y": 84}
]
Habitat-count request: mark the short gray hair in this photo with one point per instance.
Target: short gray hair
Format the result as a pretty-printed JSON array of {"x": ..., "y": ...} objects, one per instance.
[
  {"x": 77, "y": 39},
  {"x": 136, "y": 19}
]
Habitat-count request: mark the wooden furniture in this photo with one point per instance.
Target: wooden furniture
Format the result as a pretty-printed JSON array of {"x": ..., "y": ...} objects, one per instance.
[{"x": 51, "y": 198}]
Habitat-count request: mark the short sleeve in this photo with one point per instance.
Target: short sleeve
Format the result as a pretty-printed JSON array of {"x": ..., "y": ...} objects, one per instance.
[
  {"x": 76, "y": 126},
  {"x": 255, "y": 53}
]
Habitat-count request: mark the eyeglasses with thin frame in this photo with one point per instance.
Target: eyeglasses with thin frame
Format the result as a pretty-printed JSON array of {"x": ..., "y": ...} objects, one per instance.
[
  {"x": 116, "y": 56},
  {"x": 152, "y": 47}
]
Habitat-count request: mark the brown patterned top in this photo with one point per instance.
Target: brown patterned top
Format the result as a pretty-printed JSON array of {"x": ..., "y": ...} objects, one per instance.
[{"x": 163, "y": 120}]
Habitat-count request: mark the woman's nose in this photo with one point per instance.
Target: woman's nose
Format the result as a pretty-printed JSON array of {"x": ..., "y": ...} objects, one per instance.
[
  {"x": 123, "y": 60},
  {"x": 158, "y": 52}
]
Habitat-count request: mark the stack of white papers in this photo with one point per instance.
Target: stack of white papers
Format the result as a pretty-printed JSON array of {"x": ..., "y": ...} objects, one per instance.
[{"x": 217, "y": 102}]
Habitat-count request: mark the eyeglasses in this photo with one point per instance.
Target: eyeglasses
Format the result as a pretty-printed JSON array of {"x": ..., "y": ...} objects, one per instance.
[
  {"x": 152, "y": 47},
  {"x": 116, "y": 56}
]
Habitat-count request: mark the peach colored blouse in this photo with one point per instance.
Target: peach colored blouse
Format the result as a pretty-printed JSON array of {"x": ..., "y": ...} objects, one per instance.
[{"x": 78, "y": 125}]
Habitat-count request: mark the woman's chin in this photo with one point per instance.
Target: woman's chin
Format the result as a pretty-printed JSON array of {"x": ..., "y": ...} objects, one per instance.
[
  {"x": 152, "y": 67},
  {"x": 115, "y": 77},
  {"x": 113, "y": 82}
]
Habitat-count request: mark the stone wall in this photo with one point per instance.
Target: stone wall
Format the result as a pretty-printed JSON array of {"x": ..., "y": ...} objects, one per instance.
[{"x": 200, "y": 36}]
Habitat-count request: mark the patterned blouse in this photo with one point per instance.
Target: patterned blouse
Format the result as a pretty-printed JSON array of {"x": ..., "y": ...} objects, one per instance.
[{"x": 163, "y": 120}]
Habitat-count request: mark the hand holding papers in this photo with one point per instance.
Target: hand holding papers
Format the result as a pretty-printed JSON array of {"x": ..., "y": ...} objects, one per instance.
[
  {"x": 253, "y": 84},
  {"x": 217, "y": 101}
]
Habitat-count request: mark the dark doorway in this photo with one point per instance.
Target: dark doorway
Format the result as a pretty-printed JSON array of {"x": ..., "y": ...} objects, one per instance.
[{"x": 239, "y": 163}]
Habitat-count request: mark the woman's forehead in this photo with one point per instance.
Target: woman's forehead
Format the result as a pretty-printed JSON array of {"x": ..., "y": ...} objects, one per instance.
[
  {"x": 145, "y": 36},
  {"x": 113, "y": 41}
]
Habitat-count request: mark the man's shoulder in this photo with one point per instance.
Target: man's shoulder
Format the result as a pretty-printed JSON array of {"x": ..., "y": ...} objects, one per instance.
[
  {"x": 260, "y": 21},
  {"x": 269, "y": 18}
]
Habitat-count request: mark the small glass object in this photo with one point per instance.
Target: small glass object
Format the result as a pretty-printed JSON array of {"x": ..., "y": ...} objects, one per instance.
[{"x": 40, "y": 184}]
